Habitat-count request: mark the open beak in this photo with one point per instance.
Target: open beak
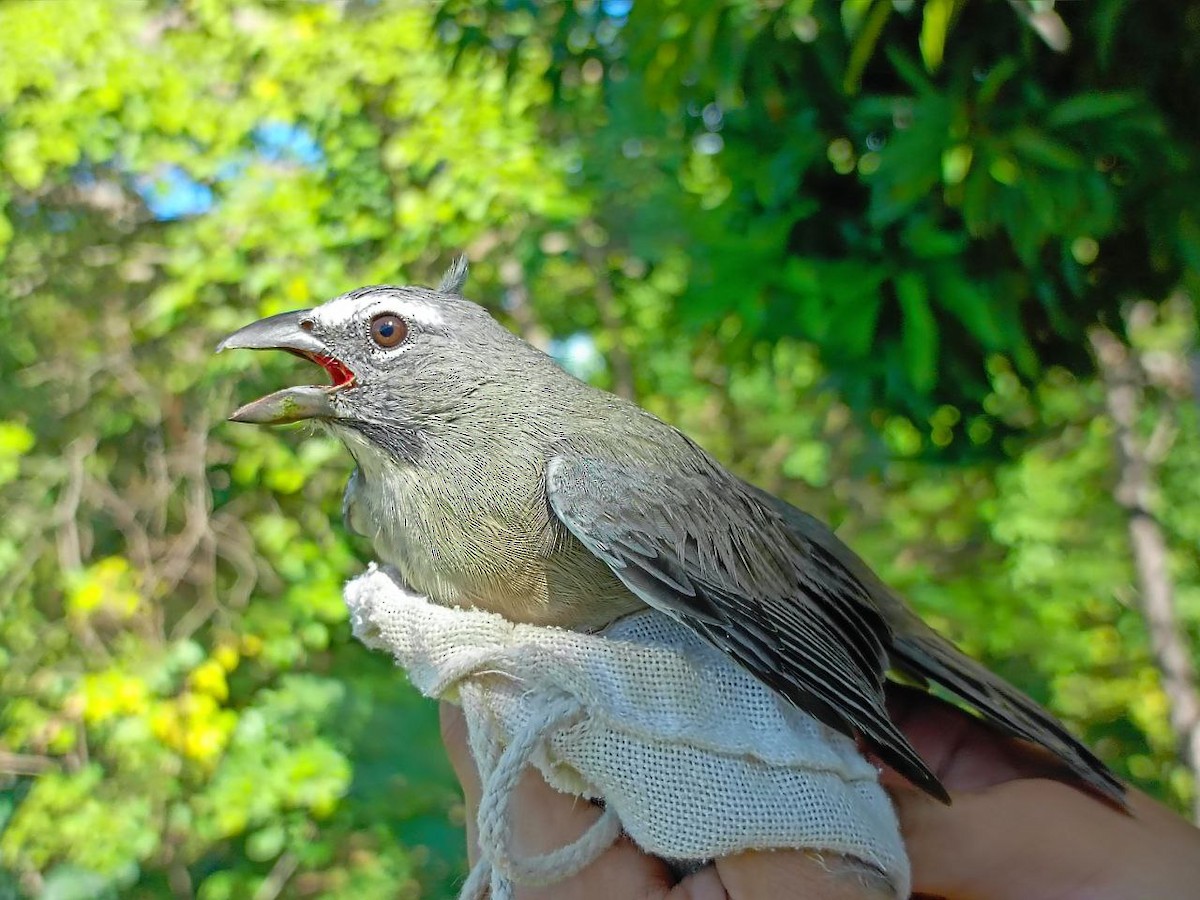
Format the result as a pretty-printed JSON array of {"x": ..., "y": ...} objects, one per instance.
[{"x": 290, "y": 331}]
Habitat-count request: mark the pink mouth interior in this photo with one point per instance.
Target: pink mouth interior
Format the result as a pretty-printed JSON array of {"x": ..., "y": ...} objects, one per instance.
[{"x": 338, "y": 372}]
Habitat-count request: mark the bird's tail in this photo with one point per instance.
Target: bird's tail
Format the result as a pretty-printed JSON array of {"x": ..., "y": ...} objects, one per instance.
[
  {"x": 924, "y": 652},
  {"x": 920, "y": 651}
]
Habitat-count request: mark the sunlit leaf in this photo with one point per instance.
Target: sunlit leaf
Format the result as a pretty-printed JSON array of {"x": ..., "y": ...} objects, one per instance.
[
  {"x": 920, "y": 336},
  {"x": 936, "y": 17}
]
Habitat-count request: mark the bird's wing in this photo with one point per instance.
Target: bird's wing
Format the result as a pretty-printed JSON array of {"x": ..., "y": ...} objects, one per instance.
[
  {"x": 920, "y": 651},
  {"x": 694, "y": 544}
]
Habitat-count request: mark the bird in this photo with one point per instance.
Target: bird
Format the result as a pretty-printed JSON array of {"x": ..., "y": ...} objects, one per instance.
[{"x": 488, "y": 477}]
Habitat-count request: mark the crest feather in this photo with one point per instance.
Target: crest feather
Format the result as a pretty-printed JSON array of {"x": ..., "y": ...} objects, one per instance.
[{"x": 456, "y": 276}]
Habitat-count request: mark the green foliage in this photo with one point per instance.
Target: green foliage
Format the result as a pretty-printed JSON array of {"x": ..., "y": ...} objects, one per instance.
[
  {"x": 835, "y": 243},
  {"x": 174, "y": 641},
  {"x": 915, "y": 187}
]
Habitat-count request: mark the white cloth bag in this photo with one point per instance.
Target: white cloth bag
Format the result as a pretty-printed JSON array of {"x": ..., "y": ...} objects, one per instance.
[{"x": 693, "y": 757}]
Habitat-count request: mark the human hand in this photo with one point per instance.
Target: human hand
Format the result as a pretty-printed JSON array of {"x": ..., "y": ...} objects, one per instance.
[
  {"x": 545, "y": 819},
  {"x": 1015, "y": 833},
  {"x": 1012, "y": 832}
]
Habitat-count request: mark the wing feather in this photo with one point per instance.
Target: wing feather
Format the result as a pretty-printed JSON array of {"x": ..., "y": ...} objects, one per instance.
[
  {"x": 918, "y": 650},
  {"x": 696, "y": 545}
]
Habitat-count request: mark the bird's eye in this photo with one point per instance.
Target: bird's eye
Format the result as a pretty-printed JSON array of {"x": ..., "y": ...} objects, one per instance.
[{"x": 388, "y": 330}]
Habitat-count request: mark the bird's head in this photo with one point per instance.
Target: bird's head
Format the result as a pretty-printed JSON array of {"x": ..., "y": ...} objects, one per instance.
[{"x": 398, "y": 357}]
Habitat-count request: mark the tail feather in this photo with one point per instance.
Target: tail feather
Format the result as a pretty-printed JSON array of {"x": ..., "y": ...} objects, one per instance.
[
  {"x": 921, "y": 653},
  {"x": 1004, "y": 706}
]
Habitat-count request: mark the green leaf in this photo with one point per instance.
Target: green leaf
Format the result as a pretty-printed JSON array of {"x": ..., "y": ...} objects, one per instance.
[
  {"x": 935, "y": 25},
  {"x": 853, "y": 13},
  {"x": 1039, "y": 148},
  {"x": 919, "y": 331},
  {"x": 1189, "y": 239},
  {"x": 1092, "y": 106},
  {"x": 999, "y": 75},
  {"x": 16, "y": 440},
  {"x": 908, "y": 70},
  {"x": 24, "y": 160},
  {"x": 266, "y": 843},
  {"x": 1108, "y": 19},
  {"x": 992, "y": 324},
  {"x": 864, "y": 45},
  {"x": 924, "y": 239},
  {"x": 956, "y": 163}
]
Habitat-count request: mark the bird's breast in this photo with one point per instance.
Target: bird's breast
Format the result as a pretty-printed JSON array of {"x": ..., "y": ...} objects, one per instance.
[{"x": 484, "y": 539}]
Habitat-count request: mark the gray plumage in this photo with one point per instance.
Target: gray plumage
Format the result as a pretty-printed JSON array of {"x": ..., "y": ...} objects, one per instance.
[
  {"x": 455, "y": 278},
  {"x": 491, "y": 478}
]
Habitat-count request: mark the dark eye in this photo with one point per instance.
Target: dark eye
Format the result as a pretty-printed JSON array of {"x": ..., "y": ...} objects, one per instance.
[{"x": 388, "y": 330}]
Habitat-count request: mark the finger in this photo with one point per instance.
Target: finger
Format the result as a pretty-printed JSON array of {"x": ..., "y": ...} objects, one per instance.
[
  {"x": 543, "y": 820},
  {"x": 454, "y": 736},
  {"x": 964, "y": 752},
  {"x": 759, "y": 874},
  {"x": 1032, "y": 838},
  {"x": 985, "y": 844}
]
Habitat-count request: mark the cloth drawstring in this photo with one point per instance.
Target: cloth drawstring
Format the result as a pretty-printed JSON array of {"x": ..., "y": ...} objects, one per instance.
[{"x": 500, "y": 769}]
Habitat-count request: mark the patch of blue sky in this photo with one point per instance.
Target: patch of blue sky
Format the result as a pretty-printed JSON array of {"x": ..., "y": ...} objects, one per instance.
[
  {"x": 287, "y": 142},
  {"x": 578, "y": 354},
  {"x": 171, "y": 193},
  {"x": 616, "y": 9}
]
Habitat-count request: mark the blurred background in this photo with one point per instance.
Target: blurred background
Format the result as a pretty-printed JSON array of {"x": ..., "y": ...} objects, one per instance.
[{"x": 924, "y": 268}]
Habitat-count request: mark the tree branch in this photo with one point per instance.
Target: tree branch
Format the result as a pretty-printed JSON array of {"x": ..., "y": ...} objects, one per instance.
[
  {"x": 278, "y": 877},
  {"x": 1156, "y": 590},
  {"x": 25, "y": 763},
  {"x": 517, "y": 305}
]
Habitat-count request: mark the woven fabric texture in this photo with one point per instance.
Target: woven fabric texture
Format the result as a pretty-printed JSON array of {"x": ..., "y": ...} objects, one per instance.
[{"x": 693, "y": 757}]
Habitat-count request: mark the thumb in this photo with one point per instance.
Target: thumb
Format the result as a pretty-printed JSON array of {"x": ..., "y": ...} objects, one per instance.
[{"x": 1022, "y": 839}]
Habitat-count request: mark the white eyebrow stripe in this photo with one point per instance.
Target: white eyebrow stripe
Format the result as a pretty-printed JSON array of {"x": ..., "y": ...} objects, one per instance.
[
  {"x": 415, "y": 311},
  {"x": 344, "y": 311},
  {"x": 339, "y": 312}
]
